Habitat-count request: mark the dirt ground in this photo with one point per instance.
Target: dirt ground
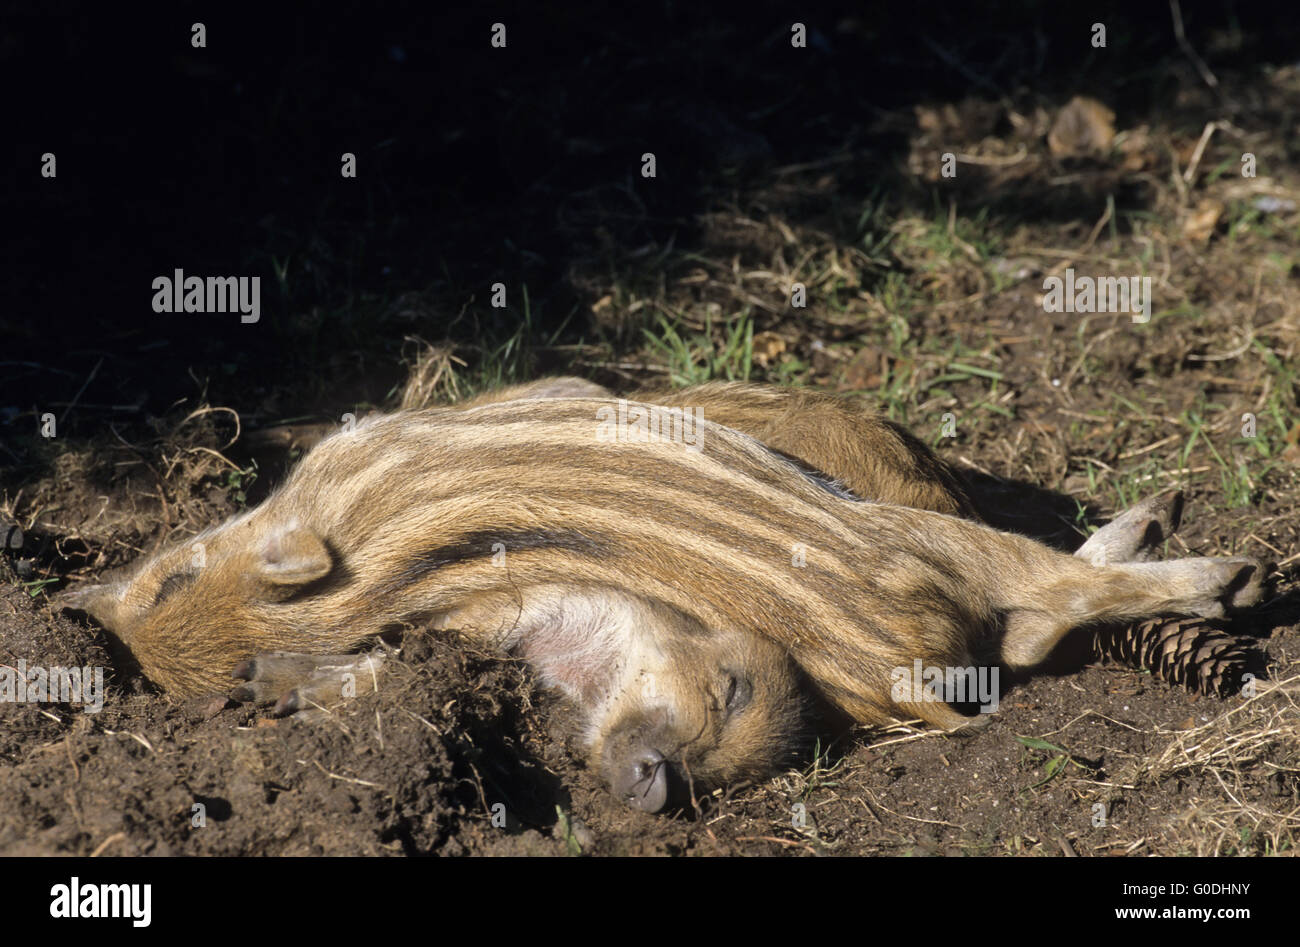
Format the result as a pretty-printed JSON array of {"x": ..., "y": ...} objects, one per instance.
[
  {"x": 419, "y": 768},
  {"x": 924, "y": 300},
  {"x": 459, "y": 754}
]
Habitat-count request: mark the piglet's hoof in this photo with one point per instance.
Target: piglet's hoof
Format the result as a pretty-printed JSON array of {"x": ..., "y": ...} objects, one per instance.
[{"x": 296, "y": 683}]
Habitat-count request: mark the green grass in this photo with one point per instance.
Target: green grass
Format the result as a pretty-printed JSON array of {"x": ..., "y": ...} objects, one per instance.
[
  {"x": 820, "y": 773},
  {"x": 238, "y": 481},
  {"x": 694, "y": 358}
]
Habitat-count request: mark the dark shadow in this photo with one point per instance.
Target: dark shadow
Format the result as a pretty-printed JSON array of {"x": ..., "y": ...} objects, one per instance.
[
  {"x": 1018, "y": 507},
  {"x": 477, "y": 165}
]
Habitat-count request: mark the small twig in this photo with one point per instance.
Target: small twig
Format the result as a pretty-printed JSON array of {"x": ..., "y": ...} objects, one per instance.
[
  {"x": 134, "y": 736},
  {"x": 346, "y": 779},
  {"x": 208, "y": 409},
  {"x": 76, "y": 770},
  {"x": 952, "y": 233},
  {"x": 778, "y": 841},
  {"x": 115, "y": 837},
  {"x": 866, "y": 805},
  {"x": 1186, "y": 47},
  {"x": 1206, "y": 134},
  {"x": 1226, "y": 356},
  {"x": 422, "y": 720},
  {"x": 1266, "y": 545},
  {"x": 221, "y": 457},
  {"x": 1128, "y": 455},
  {"x": 994, "y": 162}
]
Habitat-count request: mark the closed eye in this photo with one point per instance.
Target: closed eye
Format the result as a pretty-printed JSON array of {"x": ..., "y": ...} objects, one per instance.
[
  {"x": 172, "y": 584},
  {"x": 739, "y": 693}
]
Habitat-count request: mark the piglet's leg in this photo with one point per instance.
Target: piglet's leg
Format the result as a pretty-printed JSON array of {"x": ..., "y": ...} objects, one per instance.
[
  {"x": 300, "y": 682},
  {"x": 1070, "y": 594}
]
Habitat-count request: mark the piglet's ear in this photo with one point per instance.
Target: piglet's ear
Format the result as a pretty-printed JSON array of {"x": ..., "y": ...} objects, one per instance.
[{"x": 293, "y": 555}]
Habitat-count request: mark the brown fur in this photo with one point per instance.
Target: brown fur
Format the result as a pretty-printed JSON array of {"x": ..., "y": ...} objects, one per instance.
[
  {"x": 872, "y": 456},
  {"x": 666, "y": 589}
]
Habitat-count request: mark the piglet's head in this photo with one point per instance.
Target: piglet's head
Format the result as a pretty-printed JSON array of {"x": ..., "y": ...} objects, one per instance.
[{"x": 189, "y": 613}]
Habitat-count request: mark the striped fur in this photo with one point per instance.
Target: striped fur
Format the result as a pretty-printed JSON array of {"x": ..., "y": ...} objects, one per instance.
[{"x": 678, "y": 594}]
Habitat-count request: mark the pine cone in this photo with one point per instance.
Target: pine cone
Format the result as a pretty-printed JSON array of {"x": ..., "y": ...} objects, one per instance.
[{"x": 1194, "y": 652}]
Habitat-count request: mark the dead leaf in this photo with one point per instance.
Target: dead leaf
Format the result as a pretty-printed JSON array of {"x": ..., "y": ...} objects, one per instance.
[
  {"x": 1200, "y": 223},
  {"x": 968, "y": 120},
  {"x": 767, "y": 347},
  {"x": 1138, "y": 149},
  {"x": 1291, "y": 453},
  {"x": 1084, "y": 126},
  {"x": 863, "y": 371},
  {"x": 930, "y": 119},
  {"x": 214, "y": 706}
]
